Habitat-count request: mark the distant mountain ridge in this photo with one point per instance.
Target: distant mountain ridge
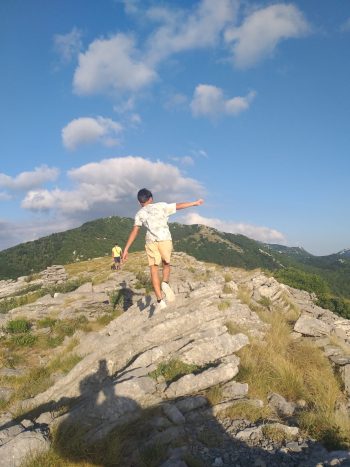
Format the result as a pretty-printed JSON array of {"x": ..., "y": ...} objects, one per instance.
[{"x": 96, "y": 239}]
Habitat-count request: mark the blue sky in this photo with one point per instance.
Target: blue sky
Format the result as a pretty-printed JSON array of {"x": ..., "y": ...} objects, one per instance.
[{"x": 243, "y": 103}]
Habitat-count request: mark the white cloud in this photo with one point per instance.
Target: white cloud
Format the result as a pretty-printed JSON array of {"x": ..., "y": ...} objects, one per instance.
[
  {"x": 185, "y": 160},
  {"x": 117, "y": 64},
  {"x": 87, "y": 130},
  {"x": 131, "y": 6},
  {"x": 262, "y": 30},
  {"x": 12, "y": 233},
  {"x": 110, "y": 186},
  {"x": 345, "y": 27},
  {"x": 264, "y": 234},
  {"x": 112, "y": 64},
  {"x": 184, "y": 30},
  {"x": 135, "y": 119},
  {"x": 176, "y": 101},
  {"x": 210, "y": 101},
  {"x": 28, "y": 180},
  {"x": 68, "y": 45},
  {"x": 4, "y": 196}
]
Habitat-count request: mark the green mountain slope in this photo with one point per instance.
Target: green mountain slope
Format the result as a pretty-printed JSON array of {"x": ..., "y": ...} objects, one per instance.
[{"x": 96, "y": 238}]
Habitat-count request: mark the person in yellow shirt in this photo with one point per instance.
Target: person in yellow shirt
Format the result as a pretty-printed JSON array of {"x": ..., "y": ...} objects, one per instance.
[{"x": 116, "y": 255}]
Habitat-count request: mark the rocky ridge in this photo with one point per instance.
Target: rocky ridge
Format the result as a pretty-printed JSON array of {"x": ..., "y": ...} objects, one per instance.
[{"x": 117, "y": 382}]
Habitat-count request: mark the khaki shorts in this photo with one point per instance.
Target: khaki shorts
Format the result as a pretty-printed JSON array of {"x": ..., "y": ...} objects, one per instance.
[{"x": 158, "y": 251}]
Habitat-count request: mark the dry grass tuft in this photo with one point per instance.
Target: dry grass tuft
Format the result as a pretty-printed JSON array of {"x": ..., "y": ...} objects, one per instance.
[
  {"x": 224, "y": 304},
  {"x": 247, "y": 411},
  {"x": 235, "y": 328},
  {"x": 276, "y": 434},
  {"x": 296, "y": 370},
  {"x": 244, "y": 295},
  {"x": 214, "y": 395}
]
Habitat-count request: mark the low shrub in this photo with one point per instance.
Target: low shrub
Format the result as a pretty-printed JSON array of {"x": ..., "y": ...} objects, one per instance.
[
  {"x": 143, "y": 282},
  {"x": 302, "y": 280},
  {"x": 336, "y": 304},
  {"x": 46, "y": 322},
  {"x": 23, "y": 340},
  {"x": 18, "y": 326}
]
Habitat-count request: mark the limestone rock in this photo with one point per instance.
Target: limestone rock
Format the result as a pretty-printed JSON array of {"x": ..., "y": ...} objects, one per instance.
[
  {"x": 211, "y": 350},
  {"x": 281, "y": 406},
  {"x": 189, "y": 384},
  {"x": 247, "y": 434},
  {"x": 174, "y": 414},
  {"x": 309, "y": 326},
  {"x": 191, "y": 403},
  {"x": 233, "y": 390},
  {"x": 16, "y": 450}
]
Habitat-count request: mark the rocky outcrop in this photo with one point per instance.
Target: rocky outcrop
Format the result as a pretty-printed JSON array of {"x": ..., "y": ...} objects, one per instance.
[{"x": 118, "y": 381}]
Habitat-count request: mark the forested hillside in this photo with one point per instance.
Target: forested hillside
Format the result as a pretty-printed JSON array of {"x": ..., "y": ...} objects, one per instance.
[{"x": 292, "y": 265}]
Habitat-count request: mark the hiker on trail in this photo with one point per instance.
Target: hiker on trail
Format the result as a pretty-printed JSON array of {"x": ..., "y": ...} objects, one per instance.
[
  {"x": 116, "y": 255},
  {"x": 154, "y": 216}
]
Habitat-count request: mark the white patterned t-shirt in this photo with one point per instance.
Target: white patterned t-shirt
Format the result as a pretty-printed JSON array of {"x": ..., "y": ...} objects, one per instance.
[{"x": 154, "y": 217}]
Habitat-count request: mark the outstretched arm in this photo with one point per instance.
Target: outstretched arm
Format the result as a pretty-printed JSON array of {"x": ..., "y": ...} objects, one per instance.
[
  {"x": 198, "y": 202},
  {"x": 132, "y": 236}
]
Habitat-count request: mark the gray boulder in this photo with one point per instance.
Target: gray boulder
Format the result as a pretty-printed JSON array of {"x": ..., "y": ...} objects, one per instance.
[{"x": 309, "y": 326}]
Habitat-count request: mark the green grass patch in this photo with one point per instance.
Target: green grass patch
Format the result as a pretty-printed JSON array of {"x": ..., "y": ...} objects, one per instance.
[
  {"x": 46, "y": 322},
  {"x": 143, "y": 282},
  {"x": 39, "y": 379},
  {"x": 18, "y": 326},
  {"x": 23, "y": 340},
  {"x": 173, "y": 370}
]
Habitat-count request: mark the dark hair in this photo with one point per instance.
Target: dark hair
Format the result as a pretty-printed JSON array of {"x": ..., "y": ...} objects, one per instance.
[{"x": 144, "y": 195}]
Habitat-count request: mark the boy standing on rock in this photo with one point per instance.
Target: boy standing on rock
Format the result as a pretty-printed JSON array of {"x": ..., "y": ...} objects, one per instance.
[{"x": 154, "y": 216}]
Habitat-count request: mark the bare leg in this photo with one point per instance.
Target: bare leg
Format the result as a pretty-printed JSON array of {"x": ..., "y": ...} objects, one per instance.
[
  {"x": 166, "y": 271},
  {"x": 156, "y": 281}
]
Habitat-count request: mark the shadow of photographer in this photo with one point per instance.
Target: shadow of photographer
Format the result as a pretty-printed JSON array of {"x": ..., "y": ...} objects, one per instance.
[{"x": 105, "y": 428}]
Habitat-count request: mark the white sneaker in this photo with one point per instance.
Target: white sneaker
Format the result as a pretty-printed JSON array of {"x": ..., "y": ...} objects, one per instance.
[
  {"x": 160, "y": 306},
  {"x": 169, "y": 294}
]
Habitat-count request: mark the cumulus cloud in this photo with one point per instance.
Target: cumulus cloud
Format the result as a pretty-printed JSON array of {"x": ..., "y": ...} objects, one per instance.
[
  {"x": 110, "y": 186},
  {"x": 112, "y": 64},
  {"x": 176, "y": 101},
  {"x": 68, "y": 45},
  {"x": 184, "y": 160},
  {"x": 119, "y": 64},
  {"x": 4, "y": 196},
  {"x": 12, "y": 233},
  {"x": 29, "y": 180},
  {"x": 210, "y": 101},
  {"x": 183, "y": 30},
  {"x": 345, "y": 27},
  {"x": 262, "y": 30},
  {"x": 264, "y": 234},
  {"x": 87, "y": 130}
]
